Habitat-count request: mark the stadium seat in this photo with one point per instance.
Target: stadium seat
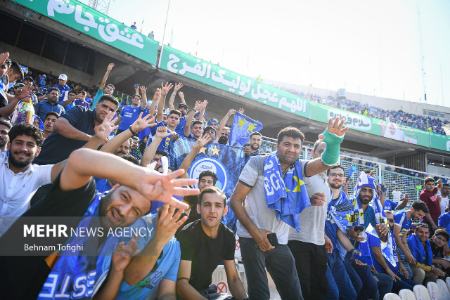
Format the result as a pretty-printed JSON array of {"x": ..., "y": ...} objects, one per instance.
[
  {"x": 391, "y": 296},
  {"x": 434, "y": 291},
  {"x": 443, "y": 288},
  {"x": 421, "y": 292},
  {"x": 406, "y": 294}
]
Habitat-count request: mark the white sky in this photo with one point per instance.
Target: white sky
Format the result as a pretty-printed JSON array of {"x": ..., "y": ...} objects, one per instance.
[{"x": 369, "y": 47}]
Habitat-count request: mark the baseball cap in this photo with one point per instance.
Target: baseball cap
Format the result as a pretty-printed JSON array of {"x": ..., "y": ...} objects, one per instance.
[
  {"x": 62, "y": 77},
  {"x": 15, "y": 65}
]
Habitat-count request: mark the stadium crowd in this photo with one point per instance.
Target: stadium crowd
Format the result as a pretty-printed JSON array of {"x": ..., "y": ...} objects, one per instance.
[
  {"x": 92, "y": 157},
  {"x": 424, "y": 123}
]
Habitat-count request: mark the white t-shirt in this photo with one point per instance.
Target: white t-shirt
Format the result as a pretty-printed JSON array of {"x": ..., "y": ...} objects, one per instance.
[
  {"x": 312, "y": 218},
  {"x": 396, "y": 195},
  {"x": 16, "y": 190},
  {"x": 256, "y": 205},
  {"x": 443, "y": 204}
]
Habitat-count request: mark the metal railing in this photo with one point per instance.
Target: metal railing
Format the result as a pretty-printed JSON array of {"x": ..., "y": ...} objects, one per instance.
[{"x": 392, "y": 177}]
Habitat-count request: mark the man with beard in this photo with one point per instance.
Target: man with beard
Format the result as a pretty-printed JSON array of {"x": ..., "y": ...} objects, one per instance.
[
  {"x": 420, "y": 246},
  {"x": 18, "y": 176},
  {"x": 364, "y": 195},
  {"x": 255, "y": 142},
  {"x": 343, "y": 281},
  {"x": 73, "y": 194},
  {"x": 206, "y": 243},
  {"x": 268, "y": 199},
  {"x": 49, "y": 123},
  {"x": 5, "y": 127},
  {"x": 49, "y": 105},
  {"x": 74, "y": 129},
  {"x": 403, "y": 221}
]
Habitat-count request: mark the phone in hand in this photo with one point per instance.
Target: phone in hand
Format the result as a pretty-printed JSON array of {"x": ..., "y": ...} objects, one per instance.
[{"x": 272, "y": 237}]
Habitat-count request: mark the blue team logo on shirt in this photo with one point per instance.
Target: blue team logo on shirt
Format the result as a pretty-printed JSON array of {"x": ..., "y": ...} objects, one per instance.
[{"x": 209, "y": 164}]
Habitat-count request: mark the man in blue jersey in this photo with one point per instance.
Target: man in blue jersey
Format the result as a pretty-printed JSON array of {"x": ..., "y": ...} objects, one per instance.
[
  {"x": 403, "y": 220},
  {"x": 130, "y": 113},
  {"x": 63, "y": 87}
]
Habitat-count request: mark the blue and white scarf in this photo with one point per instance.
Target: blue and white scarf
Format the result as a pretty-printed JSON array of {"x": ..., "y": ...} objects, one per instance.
[
  {"x": 387, "y": 248},
  {"x": 286, "y": 196},
  {"x": 340, "y": 211},
  {"x": 76, "y": 275}
]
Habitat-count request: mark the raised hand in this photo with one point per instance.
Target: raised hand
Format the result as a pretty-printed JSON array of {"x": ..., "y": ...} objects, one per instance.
[
  {"x": 157, "y": 94},
  {"x": 169, "y": 220},
  {"x": 204, "y": 104},
  {"x": 181, "y": 95},
  {"x": 203, "y": 140},
  {"x": 103, "y": 130},
  {"x": 123, "y": 254},
  {"x": 156, "y": 186},
  {"x": 198, "y": 105},
  {"x": 110, "y": 67},
  {"x": 241, "y": 110},
  {"x": 162, "y": 132},
  {"x": 142, "y": 90},
  {"x": 143, "y": 122},
  {"x": 165, "y": 88},
  {"x": 231, "y": 112},
  {"x": 177, "y": 87},
  {"x": 336, "y": 126}
]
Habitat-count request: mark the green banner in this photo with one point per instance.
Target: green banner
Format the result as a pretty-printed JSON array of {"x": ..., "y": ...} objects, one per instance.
[
  {"x": 93, "y": 23},
  {"x": 181, "y": 63},
  {"x": 184, "y": 64}
]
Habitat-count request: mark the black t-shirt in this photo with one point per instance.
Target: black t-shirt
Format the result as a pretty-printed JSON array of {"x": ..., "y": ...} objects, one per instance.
[
  {"x": 56, "y": 147},
  {"x": 21, "y": 277},
  {"x": 193, "y": 214},
  {"x": 204, "y": 252},
  {"x": 437, "y": 252}
]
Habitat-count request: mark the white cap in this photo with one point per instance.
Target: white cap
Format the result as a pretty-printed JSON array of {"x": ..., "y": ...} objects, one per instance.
[{"x": 62, "y": 77}]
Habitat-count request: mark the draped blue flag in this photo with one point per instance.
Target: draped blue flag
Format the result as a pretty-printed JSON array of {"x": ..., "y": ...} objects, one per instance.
[
  {"x": 225, "y": 161},
  {"x": 286, "y": 196},
  {"x": 241, "y": 129},
  {"x": 76, "y": 274}
]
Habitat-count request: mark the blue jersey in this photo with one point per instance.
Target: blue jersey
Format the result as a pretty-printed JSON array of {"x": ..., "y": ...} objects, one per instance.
[
  {"x": 166, "y": 268},
  {"x": 128, "y": 115},
  {"x": 389, "y": 205},
  {"x": 42, "y": 81},
  {"x": 165, "y": 142},
  {"x": 401, "y": 218},
  {"x": 62, "y": 91}
]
